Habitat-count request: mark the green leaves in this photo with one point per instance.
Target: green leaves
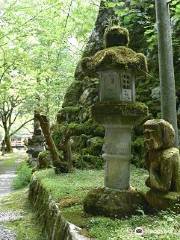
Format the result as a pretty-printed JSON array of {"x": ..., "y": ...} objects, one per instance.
[{"x": 43, "y": 42}]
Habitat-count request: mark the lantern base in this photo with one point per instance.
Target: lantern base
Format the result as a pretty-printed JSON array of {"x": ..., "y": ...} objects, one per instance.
[{"x": 115, "y": 204}]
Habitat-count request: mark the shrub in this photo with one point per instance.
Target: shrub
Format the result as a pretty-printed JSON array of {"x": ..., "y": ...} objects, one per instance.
[
  {"x": 138, "y": 152},
  {"x": 23, "y": 176}
]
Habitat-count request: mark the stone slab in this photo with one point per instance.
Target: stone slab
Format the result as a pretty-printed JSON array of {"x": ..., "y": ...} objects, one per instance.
[{"x": 115, "y": 204}]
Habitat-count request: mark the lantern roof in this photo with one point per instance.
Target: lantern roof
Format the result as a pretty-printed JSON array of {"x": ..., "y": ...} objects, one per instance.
[{"x": 116, "y": 54}]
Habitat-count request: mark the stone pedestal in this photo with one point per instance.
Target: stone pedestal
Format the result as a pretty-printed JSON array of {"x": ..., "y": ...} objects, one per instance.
[
  {"x": 117, "y": 198},
  {"x": 115, "y": 204},
  {"x": 118, "y": 120},
  {"x": 117, "y": 155}
]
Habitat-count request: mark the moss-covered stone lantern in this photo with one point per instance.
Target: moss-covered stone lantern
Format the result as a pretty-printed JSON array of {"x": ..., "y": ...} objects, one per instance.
[
  {"x": 117, "y": 86},
  {"x": 117, "y": 67}
]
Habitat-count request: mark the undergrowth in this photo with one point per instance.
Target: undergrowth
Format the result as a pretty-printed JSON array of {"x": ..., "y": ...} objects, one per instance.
[{"x": 23, "y": 176}]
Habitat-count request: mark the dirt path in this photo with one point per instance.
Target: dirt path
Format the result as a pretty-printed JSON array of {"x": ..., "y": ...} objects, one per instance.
[
  {"x": 17, "y": 222},
  {"x": 7, "y": 170}
]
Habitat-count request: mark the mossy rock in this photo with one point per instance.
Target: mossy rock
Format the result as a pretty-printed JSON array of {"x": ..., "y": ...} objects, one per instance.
[
  {"x": 79, "y": 142},
  {"x": 115, "y": 204},
  {"x": 94, "y": 146},
  {"x": 93, "y": 162},
  {"x": 87, "y": 161},
  {"x": 99, "y": 130},
  {"x": 163, "y": 201},
  {"x": 68, "y": 114},
  {"x": 73, "y": 94}
]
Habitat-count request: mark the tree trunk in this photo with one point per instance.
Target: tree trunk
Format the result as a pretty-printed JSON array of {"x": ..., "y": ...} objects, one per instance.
[
  {"x": 7, "y": 139},
  {"x": 59, "y": 165},
  {"x": 65, "y": 146},
  {"x": 3, "y": 150},
  {"x": 166, "y": 68}
]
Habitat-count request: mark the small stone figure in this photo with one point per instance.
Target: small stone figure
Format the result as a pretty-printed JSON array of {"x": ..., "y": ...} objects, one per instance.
[{"x": 163, "y": 161}]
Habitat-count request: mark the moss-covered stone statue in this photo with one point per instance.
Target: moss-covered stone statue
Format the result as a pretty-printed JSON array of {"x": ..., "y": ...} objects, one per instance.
[
  {"x": 117, "y": 67},
  {"x": 163, "y": 163}
]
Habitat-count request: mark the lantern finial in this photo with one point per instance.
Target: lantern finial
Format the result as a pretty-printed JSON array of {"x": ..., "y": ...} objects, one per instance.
[{"x": 116, "y": 36}]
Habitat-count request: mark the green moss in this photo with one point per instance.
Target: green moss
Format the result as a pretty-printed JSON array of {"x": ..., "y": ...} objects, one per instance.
[
  {"x": 138, "y": 151},
  {"x": 71, "y": 109},
  {"x": 99, "y": 131},
  {"x": 127, "y": 111},
  {"x": 44, "y": 160},
  {"x": 116, "y": 36},
  {"x": 94, "y": 146},
  {"x": 87, "y": 161},
  {"x": 111, "y": 203},
  {"x": 85, "y": 147},
  {"x": 163, "y": 201},
  {"x": 23, "y": 176},
  {"x": 75, "y": 129},
  {"x": 68, "y": 114},
  {"x": 28, "y": 227},
  {"x": 75, "y": 215},
  {"x": 56, "y": 133},
  {"x": 73, "y": 94},
  {"x": 79, "y": 142},
  {"x": 116, "y": 57},
  {"x": 164, "y": 225},
  {"x": 8, "y": 160}
]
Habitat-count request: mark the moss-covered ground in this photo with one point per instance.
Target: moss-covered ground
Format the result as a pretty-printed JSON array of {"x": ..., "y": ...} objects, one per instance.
[
  {"x": 8, "y": 160},
  {"x": 69, "y": 191},
  {"x": 26, "y": 228}
]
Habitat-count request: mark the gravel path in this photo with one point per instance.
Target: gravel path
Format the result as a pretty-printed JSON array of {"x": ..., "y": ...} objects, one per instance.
[
  {"x": 6, "y": 176},
  {"x": 6, "y": 234},
  {"x": 5, "y": 182},
  {"x": 10, "y": 216}
]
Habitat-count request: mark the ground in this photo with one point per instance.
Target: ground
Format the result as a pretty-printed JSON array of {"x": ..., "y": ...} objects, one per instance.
[
  {"x": 69, "y": 191},
  {"x": 17, "y": 216}
]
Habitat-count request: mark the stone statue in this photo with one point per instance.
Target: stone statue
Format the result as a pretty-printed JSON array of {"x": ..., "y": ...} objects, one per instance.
[{"x": 162, "y": 158}]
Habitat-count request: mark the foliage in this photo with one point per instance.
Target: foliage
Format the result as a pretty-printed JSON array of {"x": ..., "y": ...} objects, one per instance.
[
  {"x": 23, "y": 177},
  {"x": 40, "y": 45},
  {"x": 43, "y": 42},
  {"x": 138, "y": 151},
  {"x": 139, "y": 17},
  {"x": 15, "y": 105}
]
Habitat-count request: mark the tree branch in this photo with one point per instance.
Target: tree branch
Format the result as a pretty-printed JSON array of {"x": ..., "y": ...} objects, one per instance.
[{"x": 22, "y": 125}]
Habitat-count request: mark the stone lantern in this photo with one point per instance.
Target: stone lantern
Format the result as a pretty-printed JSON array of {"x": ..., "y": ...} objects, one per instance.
[{"x": 118, "y": 68}]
